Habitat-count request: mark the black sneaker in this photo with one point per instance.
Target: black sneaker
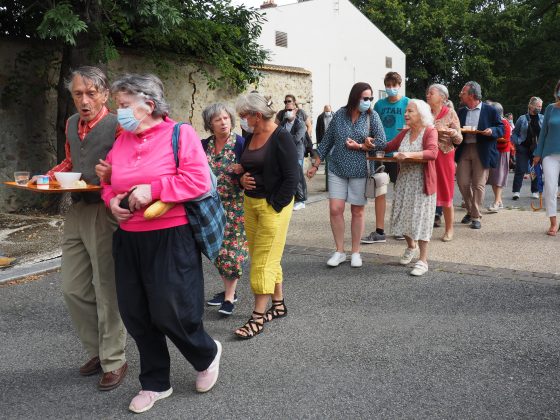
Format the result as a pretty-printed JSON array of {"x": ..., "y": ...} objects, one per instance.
[
  {"x": 437, "y": 221},
  {"x": 373, "y": 238},
  {"x": 218, "y": 299},
  {"x": 226, "y": 308},
  {"x": 467, "y": 219}
]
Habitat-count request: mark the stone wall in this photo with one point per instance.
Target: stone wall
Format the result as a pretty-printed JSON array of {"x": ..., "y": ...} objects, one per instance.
[{"x": 27, "y": 128}]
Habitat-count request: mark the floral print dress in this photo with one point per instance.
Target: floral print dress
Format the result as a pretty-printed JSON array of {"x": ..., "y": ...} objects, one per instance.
[
  {"x": 413, "y": 211},
  {"x": 234, "y": 252}
]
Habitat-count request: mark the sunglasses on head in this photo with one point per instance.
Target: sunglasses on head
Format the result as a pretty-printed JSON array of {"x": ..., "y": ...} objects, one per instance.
[
  {"x": 367, "y": 99},
  {"x": 288, "y": 101}
]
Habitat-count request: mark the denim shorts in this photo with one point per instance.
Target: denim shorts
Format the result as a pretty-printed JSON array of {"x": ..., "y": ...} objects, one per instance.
[{"x": 351, "y": 190}]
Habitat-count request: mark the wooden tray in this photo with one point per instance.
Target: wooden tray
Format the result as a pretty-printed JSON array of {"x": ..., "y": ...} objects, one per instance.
[
  {"x": 470, "y": 131},
  {"x": 53, "y": 187},
  {"x": 392, "y": 159}
]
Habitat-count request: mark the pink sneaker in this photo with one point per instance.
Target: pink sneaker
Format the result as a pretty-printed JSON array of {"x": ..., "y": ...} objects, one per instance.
[
  {"x": 146, "y": 400},
  {"x": 206, "y": 379}
]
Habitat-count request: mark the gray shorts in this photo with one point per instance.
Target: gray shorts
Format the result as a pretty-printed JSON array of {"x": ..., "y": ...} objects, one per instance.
[{"x": 351, "y": 190}]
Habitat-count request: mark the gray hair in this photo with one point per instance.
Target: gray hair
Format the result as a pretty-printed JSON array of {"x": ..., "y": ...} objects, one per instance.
[
  {"x": 255, "y": 102},
  {"x": 498, "y": 107},
  {"x": 474, "y": 89},
  {"x": 147, "y": 87},
  {"x": 212, "y": 111},
  {"x": 424, "y": 110},
  {"x": 442, "y": 90},
  {"x": 93, "y": 74}
]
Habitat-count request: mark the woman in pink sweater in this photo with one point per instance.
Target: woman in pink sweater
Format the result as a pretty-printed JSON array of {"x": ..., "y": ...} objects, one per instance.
[
  {"x": 157, "y": 262},
  {"x": 414, "y": 202}
]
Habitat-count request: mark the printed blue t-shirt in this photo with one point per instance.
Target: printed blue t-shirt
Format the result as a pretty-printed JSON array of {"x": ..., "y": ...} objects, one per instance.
[{"x": 392, "y": 115}]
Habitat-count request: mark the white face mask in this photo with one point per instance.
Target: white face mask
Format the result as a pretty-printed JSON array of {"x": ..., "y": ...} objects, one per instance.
[
  {"x": 328, "y": 113},
  {"x": 245, "y": 125},
  {"x": 289, "y": 114}
]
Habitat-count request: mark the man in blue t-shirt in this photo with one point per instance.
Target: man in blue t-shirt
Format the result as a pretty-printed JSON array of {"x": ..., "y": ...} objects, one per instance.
[{"x": 391, "y": 111}]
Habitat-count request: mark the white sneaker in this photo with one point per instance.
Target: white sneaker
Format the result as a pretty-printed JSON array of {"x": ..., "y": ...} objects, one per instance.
[
  {"x": 500, "y": 205},
  {"x": 206, "y": 379},
  {"x": 409, "y": 255},
  {"x": 300, "y": 205},
  {"x": 336, "y": 259},
  {"x": 356, "y": 260},
  {"x": 419, "y": 269},
  {"x": 494, "y": 208},
  {"x": 516, "y": 195},
  {"x": 535, "y": 195}
]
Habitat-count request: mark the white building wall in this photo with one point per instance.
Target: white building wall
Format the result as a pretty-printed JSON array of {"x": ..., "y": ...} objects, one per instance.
[{"x": 336, "y": 42}]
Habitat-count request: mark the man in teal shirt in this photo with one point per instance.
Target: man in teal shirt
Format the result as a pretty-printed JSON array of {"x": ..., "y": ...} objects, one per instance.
[{"x": 391, "y": 111}]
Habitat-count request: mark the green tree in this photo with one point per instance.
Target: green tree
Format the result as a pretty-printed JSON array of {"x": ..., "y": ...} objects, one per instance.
[
  {"x": 508, "y": 46},
  {"x": 208, "y": 33}
]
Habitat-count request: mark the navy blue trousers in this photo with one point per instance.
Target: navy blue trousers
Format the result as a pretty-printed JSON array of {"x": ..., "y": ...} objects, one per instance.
[{"x": 160, "y": 290}]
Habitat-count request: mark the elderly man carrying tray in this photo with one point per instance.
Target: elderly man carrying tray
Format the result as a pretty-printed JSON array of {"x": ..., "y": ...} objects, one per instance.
[{"x": 88, "y": 273}]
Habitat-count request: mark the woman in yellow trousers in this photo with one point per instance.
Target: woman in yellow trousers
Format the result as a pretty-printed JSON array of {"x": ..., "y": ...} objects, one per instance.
[{"x": 270, "y": 178}]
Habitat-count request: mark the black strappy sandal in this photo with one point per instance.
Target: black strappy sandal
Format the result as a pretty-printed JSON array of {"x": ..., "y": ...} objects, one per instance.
[
  {"x": 275, "y": 312},
  {"x": 251, "y": 327}
]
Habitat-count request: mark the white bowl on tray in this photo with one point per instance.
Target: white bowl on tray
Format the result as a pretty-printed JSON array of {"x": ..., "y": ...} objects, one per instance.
[{"x": 67, "y": 179}]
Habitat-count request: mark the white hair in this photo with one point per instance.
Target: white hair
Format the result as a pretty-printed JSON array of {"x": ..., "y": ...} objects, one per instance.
[
  {"x": 424, "y": 110},
  {"x": 441, "y": 89}
]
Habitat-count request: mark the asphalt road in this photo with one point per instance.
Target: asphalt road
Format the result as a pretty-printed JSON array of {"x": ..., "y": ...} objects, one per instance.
[{"x": 357, "y": 343}]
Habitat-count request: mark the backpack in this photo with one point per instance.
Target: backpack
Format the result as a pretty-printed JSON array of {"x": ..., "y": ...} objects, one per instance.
[{"x": 531, "y": 139}]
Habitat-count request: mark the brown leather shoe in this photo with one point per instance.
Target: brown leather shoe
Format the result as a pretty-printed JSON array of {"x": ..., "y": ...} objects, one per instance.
[
  {"x": 111, "y": 380},
  {"x": 91, "y": 367}
]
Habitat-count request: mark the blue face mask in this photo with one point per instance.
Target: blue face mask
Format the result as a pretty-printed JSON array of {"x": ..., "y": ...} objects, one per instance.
[
  {"x": 245, "y": 125},
  {"x": 364, "y": 105},
  {"x": 392, "y": 92},
  {"x": 127, "y": 120}
]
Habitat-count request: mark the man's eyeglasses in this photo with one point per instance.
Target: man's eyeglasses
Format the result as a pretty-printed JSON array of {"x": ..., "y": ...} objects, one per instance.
[{"x": 367, "y": 99}]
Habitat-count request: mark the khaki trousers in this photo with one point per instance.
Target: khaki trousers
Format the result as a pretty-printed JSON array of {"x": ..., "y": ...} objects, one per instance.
[
  {"x": 471, "y": 179},
  {"x": 88, "y": 282}
]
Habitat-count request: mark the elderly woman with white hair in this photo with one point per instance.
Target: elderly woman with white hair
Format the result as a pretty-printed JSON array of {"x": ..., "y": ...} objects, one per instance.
[
  {"x": 271, "y": 167},
  {"x": 158, "y": 265},
  {"x": 448, "y": 128},
  {"x": 414, "y": 202},
  {"x": 223, "y": 151}
]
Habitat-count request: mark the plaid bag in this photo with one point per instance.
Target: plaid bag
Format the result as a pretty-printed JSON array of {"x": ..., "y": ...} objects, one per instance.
[{"x": 206, "y": 213}]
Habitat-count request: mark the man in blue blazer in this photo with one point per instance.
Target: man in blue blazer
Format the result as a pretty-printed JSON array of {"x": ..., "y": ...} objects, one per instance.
[{"x": 477, "y": 153}]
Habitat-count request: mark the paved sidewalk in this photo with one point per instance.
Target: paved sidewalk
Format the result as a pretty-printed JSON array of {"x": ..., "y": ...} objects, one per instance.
[{"x": 513, "y": 238}]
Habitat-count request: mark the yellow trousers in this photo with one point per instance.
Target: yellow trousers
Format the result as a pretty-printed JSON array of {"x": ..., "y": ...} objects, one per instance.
[{"x": 266, "y": 235}]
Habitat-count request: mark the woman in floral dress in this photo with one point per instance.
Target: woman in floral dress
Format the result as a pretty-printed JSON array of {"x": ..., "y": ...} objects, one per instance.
[
  {"x": 414, "y": 202},
  {"x": 223, "y": 150}
]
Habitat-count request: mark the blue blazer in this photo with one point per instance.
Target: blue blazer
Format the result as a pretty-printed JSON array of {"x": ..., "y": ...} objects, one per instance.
[{"x": 486, "y": 146}]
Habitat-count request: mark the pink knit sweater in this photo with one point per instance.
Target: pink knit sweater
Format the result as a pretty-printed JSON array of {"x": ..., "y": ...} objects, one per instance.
[{"x": 147, "y": 158}]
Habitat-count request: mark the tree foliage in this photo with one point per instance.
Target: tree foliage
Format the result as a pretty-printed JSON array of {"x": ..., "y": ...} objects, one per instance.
[
  {"x": 209, "y": 32},
  {"x": 508, "y": 46},
  {"x": 212, "y": 34}
]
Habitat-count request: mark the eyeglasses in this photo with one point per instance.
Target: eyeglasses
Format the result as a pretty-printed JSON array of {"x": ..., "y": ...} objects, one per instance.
[
  {"x": 367, "y": 99},
  {"x": 288, "y": 102}
]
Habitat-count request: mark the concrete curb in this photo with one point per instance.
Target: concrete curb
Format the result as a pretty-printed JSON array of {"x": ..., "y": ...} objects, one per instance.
[{"x": 20, "y": 271}]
